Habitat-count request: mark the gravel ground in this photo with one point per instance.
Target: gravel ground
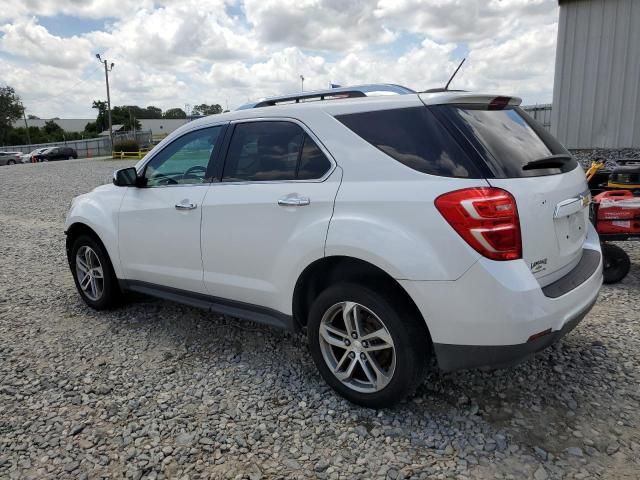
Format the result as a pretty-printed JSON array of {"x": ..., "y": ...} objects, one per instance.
[{"x": 158, "y": 390}]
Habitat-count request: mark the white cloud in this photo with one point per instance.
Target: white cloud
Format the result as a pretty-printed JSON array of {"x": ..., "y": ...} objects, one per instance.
[
  {"x": 466, "y": 20},
  {"x": 25, "y": 38},
  {"x": 176, "y": 35},
  {"x": 168, "y": 53},
  {"x": 79, "y": 8},
  {"x": 317, "y": 24}
]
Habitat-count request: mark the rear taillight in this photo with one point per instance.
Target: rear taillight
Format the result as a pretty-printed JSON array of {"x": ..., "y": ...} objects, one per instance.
[{"x": 487, "y": 218}]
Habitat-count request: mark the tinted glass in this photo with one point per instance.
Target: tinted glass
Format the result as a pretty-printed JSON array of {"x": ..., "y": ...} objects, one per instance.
[
  {"x": 263, "y": 151},
  {"x": 414, "y": 137},
  {"x": 507, "y": 139},
  {"x": 185, "y": 160},
  {"x": 313, "y": 163}
]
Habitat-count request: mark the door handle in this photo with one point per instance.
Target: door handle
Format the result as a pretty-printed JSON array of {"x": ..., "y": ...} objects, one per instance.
[
  {"x": 185, "y": 205},
  {"x": 294, "y": 201}
]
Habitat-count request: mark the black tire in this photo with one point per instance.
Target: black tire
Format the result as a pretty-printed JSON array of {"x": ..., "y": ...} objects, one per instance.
[
  {"x": 407, "y": 330},
  {"x": 70, "y": 157},
  {"x": 616, "y": 263},
  {"x": 11, "y": 162},
  {"x": 111, "y": 293}
]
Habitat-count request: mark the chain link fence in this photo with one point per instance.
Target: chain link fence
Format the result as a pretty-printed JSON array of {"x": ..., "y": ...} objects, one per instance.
[
  {"x": 541, "y": 113},
  {"x": 91, "y": 147}
]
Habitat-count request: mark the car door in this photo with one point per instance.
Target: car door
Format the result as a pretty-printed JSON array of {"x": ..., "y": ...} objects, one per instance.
[
  {"x": 159, "y": 223},
  {"x": 268, "y": 215}
]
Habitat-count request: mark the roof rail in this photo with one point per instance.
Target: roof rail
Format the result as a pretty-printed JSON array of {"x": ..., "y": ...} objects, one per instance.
[
  {"x": 330, "y": 94},
  {"x": 309, "y": 96}
]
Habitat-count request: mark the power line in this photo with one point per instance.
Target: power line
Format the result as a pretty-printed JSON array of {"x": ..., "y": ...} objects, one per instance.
[{"x": 81, "y": 80}]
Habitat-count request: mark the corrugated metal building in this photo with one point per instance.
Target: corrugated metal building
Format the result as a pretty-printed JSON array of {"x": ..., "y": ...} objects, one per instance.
[{"x": 596, "y": 94}]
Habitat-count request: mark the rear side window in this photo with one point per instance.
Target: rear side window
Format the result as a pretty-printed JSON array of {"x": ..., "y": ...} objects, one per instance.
[
  {"x": 313, "y": 163},
  {"x": 269, "y": 151},
  {"x": 414, "y": 137},
  {"x": 508, "y": 140}
]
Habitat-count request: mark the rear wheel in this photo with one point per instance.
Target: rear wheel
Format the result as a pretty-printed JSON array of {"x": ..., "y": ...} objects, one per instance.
[
  {"x": 366, "y": 346},
  {"x": 11, "y": 162},
  {"x": 616, "y": 263},
  {"x": 69, "y": 157},
  {"x": 93, "y": 273}
]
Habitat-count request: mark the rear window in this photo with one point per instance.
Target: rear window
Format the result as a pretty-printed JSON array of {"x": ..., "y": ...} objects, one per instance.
[
  {"x": 506, "y": 139},
  {"x": 414, "y": 137}
]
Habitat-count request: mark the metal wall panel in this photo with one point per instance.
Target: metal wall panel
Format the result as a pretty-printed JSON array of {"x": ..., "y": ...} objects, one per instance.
[{"x": 596, "y": 94}]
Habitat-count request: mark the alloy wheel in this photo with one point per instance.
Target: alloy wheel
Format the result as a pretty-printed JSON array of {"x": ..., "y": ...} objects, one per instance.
[
  {"x": 357, "y": 347},
  {"x": 89, "y": 273}
]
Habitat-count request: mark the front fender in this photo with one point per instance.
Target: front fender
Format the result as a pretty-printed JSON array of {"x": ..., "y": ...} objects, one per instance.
[{"x": 98, "y": 210}]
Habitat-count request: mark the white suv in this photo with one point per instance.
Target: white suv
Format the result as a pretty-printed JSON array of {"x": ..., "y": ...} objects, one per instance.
[{"x": 390, "y": 229}]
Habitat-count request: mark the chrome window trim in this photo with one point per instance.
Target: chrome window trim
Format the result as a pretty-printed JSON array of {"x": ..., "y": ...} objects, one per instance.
[{"x": 306, "y": 130}]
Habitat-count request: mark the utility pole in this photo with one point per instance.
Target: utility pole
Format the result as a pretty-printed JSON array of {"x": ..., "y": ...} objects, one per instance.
[
  {"x": 26, "y": 126},
  {"x": 106, "y": 77},
  {"x": 301, "y": 83}
]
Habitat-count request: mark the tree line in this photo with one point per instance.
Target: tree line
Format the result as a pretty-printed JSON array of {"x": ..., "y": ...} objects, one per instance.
[
  {"x": 11, "y": 110},
  {"x": 128, "y": 115}
]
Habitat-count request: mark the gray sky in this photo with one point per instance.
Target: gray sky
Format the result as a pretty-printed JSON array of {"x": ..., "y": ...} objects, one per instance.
[{"x": 169, "y": 53}]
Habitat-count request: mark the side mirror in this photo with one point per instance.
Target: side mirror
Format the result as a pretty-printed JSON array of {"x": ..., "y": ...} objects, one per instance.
[{"x": 126, "y": 177}]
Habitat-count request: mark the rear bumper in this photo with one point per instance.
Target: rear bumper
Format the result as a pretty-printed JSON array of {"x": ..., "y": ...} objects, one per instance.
[
  {"x": 497, "y": 313},
  {"x": 457, "y": 357}
]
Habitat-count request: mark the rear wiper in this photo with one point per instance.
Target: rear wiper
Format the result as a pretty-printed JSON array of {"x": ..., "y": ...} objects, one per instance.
[{"x": 552, "y": 161}]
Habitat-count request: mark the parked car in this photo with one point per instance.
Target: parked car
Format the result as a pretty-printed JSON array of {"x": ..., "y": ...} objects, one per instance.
[
  {"x": 56, "y": 153},
  {"x": 390, "y": 229},
  {"x": 9, "y": 158},
  {"x": 28, "y": 157}
]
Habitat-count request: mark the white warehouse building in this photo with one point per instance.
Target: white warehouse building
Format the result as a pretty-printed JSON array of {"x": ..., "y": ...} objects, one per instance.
[{"x": 596, "y": 93}]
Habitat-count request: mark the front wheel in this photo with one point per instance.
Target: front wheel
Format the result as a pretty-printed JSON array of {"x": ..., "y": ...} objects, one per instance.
[
  {"x": 93, "y": 274},
  {"x": 367, "y": 347}
]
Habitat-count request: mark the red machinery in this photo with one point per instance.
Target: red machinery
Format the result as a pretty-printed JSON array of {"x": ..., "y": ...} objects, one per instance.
[{"x": 615, "y": 213}]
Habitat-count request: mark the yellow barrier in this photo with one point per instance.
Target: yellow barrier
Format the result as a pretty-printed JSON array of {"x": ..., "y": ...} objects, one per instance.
[{"x": 129, "y": 155}]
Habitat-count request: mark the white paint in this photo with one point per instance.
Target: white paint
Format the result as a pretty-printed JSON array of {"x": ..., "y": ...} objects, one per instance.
[{"x": 369, "y": 207}]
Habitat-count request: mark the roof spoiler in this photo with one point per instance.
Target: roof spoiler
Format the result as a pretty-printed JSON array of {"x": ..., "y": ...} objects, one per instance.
[{"x": 467, "y": 98}]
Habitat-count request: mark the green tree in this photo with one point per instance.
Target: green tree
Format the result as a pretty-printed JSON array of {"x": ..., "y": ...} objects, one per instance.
[
  {"x": 153, "y": 112},
  {"x": 52, "y": 128},
  {"x": 125, "y": 115},
  {"x": 91, "y": 128},
  {"x": 204, "y": 109},
  {"x": 175, "y": 113},
  {"x": 10, "y": 110},
  {"x": 102, "y": 122}
]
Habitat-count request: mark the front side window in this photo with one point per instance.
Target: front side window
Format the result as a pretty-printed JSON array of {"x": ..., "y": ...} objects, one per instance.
[
  {"x": 273, "y": 150},
  {"x": 185, "y": 160}
]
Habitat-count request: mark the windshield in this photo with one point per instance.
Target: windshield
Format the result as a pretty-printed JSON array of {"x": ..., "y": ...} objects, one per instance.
[{"x": 508, "y": 140}]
